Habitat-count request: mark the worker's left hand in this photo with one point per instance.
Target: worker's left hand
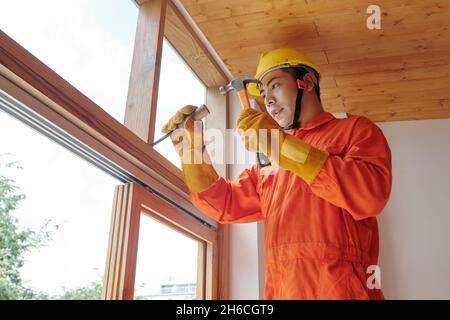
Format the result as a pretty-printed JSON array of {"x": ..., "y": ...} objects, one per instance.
[
  {"x": 249, "y": 124},
  {"x": 187, "y": 134},
  {"x": 187, "y": 138}
]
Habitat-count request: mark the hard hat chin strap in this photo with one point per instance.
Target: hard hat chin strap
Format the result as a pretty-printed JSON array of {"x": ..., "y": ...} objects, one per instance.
[
  {"x": 301, "y": 85},
  {"x": 300, "y": 73}
]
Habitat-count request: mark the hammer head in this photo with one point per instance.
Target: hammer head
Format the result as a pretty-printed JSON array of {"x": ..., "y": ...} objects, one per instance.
[{"x": 237, "y": 84}]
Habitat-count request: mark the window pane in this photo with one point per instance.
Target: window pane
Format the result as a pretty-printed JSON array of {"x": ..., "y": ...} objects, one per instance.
[
  {"x": 88, "y": 43},
  {"x": 69, "y": 193},
  {"x": 178, "y": 86},
  {"x": 166, "y": 263}
]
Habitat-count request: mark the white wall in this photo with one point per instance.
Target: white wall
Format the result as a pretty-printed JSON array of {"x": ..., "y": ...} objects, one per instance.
[
  {"x": 415, "y": 225},
  {"x": 245, "y": 252},
  {"x": 244, "y": 282}
]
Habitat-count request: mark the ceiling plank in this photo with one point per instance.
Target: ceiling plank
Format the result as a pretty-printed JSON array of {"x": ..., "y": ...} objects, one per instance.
[
  {"x": 398, "y": 87},
  {"x": 409, "y": 54},
  {"x": 370, "y": 78}
]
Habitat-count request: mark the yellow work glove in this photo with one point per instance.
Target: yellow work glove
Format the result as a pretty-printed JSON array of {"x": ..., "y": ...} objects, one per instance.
[
  {"x": 288, "y": 151},
  {"x": 188, "y": 141}
]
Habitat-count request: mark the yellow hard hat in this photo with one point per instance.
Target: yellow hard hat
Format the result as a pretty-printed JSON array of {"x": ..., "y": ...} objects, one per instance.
[{"x": 277, "y": 59}]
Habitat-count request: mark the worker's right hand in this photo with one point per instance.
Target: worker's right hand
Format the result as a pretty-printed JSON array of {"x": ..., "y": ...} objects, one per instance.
[
  {"x": 187, "y": 138},
  {"x": 187, "y": 135}
]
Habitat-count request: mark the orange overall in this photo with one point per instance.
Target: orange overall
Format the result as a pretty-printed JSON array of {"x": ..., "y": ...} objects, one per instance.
[{"x": 319, "y": 239}]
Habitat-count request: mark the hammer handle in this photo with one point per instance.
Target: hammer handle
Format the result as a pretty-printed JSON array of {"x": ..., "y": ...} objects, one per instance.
[
  {"x": 263, "y": 161},
  {"x": 243, "y": 97}
]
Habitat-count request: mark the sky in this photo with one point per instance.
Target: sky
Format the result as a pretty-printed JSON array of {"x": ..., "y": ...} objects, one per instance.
[{"x": 90, "y": 44}]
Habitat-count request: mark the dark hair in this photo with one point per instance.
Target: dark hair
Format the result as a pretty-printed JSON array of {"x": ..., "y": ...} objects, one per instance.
[{"x": 293, "y": 74}]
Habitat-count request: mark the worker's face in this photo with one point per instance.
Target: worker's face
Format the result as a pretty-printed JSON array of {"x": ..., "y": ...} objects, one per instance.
[{"x": 279, "y": 91}]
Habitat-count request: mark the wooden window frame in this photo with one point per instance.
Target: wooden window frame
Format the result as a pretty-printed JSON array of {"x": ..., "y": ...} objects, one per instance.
[
  {"x": 130, "y": 202},
  {"x": 44, "y": 92}
]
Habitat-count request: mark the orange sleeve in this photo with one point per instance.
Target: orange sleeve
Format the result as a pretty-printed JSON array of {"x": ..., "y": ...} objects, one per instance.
[
  {"x": 229, "y": 201},
  {"x": 360, "y": 180}
]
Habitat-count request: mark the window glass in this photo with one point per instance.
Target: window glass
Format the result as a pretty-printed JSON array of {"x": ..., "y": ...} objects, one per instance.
[
  {"x": 65, "y": 196},
  {"x": 166, "y": 263},
  {"x": 88, "y": 43}
]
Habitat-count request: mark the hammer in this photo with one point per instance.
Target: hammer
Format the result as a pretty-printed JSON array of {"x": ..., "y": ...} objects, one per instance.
[{"x": 239, "y": 85}]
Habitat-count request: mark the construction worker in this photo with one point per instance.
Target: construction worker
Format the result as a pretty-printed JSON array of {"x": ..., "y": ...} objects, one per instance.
[{"x": 319, "y": 203}]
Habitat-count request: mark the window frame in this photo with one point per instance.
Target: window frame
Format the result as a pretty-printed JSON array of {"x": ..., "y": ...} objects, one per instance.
[{"x": 130, "y": 202}]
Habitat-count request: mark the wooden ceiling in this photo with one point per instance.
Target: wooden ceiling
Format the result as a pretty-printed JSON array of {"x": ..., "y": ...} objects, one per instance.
[{"x": 400, "y": 72}]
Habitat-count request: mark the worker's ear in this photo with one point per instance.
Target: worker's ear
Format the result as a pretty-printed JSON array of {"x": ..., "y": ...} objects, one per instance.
[{"x": 309, "y": 82}]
